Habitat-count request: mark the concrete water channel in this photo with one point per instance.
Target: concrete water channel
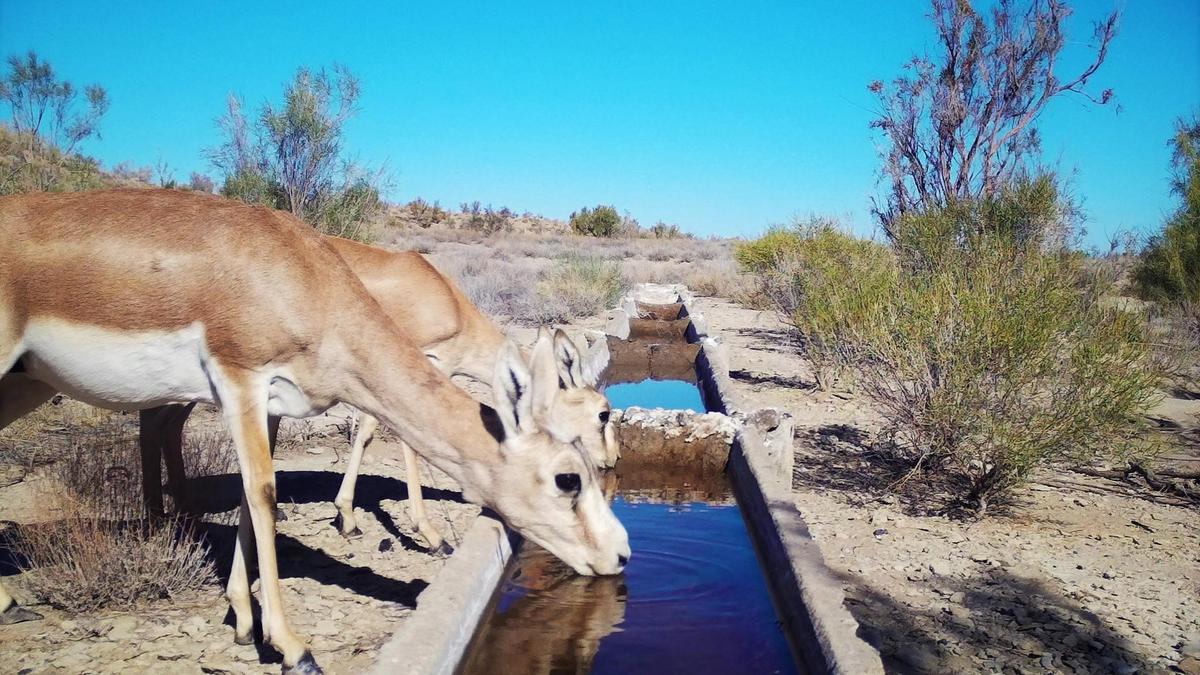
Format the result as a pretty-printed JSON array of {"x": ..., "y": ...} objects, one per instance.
[{"x": 724, "y": 576}]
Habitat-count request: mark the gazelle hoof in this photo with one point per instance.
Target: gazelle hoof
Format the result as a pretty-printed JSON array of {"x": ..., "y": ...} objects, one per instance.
[
  {"x": 280, "y": 515},
  {"x": 444, "y": 549},
  {"x": 247, "y": 639},
  {"x": 17, "y": 614},
  {"x": 340, "y": 524},
  {"x": 307, "y": 665}
]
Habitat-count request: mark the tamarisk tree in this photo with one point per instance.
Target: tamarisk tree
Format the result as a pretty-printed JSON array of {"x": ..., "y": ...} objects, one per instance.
[{"x": 962, "y": 125}]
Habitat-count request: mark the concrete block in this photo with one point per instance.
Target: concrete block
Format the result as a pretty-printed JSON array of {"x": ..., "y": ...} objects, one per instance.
[{"x": 616, "y": 323}]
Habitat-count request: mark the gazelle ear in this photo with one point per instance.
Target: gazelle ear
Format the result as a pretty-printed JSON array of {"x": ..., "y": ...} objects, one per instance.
[
  {"x": 512, "y": 389},
  {"x": 544, "y": 372},
  {"x": 568, "y": 360}
]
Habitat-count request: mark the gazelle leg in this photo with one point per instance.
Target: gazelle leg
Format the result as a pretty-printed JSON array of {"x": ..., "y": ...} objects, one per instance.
[
  {"x": 346, "y": 523},
  {"x": 11, "y": 612},
  {"x": 416, "y": 505},
  {"x": 238, "y": 589},
  {"x": 18, "y": 395},
  {"x": 245, "y": 412},
  {"x": 150, "y": 440},
  {"x": 272, "y": 438},
  {"x": 172, "y": 450}
]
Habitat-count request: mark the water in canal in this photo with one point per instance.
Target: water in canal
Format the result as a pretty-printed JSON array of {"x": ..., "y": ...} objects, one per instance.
[{"x": 692, "y": 600}]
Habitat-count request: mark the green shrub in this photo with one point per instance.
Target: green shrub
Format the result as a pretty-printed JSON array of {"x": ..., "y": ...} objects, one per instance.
[
  {"x": 988, "y": 354},
  {"x": 350, "y": 212},
  {"x": 1002, "y": 359},
  {"x": 578, "y": 286},
  {"x": 604, "y": 221},
  {"x": 1027, "y": 212},
  {"x": 1169, "y": 269},
  {"x": 252, "y": 187},
  {"x": 487, "y": 220},
  {"x": 425, "y": 214},
  {"x": 761, "y": 255},
  {"x": 824, "y": 282},
  {"x": 44, "y": 168},
  {"x": 662, "y": 230}
]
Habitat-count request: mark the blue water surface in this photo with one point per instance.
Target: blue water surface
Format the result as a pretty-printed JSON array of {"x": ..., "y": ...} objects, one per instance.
[{"x": 669, "y": 394}]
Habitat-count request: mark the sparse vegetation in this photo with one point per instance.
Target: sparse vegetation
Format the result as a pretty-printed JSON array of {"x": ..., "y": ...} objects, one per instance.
[
  {"x": 825, "y": 283},
  {"x": 46, "y": 125},
  {"x": 988, "y": 351},
  {"x": 998, "y": 359},
  {"x": 424, "y": 214},
  {"x": 662, "y": 230},
  {"x": 1169, "y": 269},
  {"x": 290, "y": 158},
  {"x": 962, "y": 125},
  {"x": 603, "y": 221},
  {"x": 100, "y": 551},
  {"x": 487, "y": 220},
  {"x": 578, "y": 286}
]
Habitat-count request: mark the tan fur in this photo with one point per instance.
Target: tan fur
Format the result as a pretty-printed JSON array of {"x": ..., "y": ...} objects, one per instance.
[
  {"x": 434, "y": 313},
  {"x": 270, "y": 294}
]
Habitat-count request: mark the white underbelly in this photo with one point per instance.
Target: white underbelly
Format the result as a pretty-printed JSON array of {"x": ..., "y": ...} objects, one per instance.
[{"x": 123, "y": 370}]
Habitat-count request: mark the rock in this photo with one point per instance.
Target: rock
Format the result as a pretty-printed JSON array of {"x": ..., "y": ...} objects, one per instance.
[
  {"x": 880, "y": 533},
  {"x": 325, "y": 627},
  {"x": 920, "y": 657},
  {"x": 194, "y": 627},
  {"x": 122, "y": 628},
  {"x": 1189, "y": 665},
  {"x": 1191, "y": 649}
]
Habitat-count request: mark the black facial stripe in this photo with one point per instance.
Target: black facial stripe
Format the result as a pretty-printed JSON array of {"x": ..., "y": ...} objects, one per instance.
[{"x": 517, "y": 391}]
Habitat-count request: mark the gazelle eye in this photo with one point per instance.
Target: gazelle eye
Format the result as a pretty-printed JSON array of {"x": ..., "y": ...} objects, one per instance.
[
  {"x": 568, "y": 482},
  {"x": 604, "y": 418}
]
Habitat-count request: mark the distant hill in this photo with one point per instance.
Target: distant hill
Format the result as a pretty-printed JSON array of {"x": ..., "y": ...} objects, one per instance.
[{"x": 421, "y": 214}]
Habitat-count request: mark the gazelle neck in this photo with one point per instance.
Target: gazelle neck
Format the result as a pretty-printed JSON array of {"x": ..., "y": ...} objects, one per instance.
[{"x": 456, "y": 433}]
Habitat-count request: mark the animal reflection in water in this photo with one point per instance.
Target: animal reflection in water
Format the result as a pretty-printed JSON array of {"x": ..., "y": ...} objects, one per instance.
[
  {"x": 574, "y": 614},
  {"x": 693, "y": 601}
]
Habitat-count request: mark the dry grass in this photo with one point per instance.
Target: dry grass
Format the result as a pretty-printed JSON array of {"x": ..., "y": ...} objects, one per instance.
[
  {"x": 99, "y": 551},
  {"x": 529, "y": 279}
]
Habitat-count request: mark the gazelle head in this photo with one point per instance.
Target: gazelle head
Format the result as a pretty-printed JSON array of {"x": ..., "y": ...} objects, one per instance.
[
  {"x": 546, "y": 488},
  {"x": 579, "y": 413}
]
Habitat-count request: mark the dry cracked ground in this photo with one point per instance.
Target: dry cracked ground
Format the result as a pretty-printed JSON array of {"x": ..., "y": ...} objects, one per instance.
[
  {"x": 1083, "y": 575},
  {"x": 346, "y": 595}
]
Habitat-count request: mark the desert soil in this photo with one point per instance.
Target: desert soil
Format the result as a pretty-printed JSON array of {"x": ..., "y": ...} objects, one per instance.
[
  {"x": 1081, "y": 575},
  {"x": 346, "y": 595}
]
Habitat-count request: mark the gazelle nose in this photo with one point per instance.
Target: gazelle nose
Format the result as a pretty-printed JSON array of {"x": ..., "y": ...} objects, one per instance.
[{"x": 622, "y": 560}]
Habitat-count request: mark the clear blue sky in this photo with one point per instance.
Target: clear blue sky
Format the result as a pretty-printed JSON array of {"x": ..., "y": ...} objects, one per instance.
[{"x": 722, "y": 117}]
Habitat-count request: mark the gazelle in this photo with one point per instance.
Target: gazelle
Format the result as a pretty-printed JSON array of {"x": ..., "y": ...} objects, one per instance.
[
  {"x": 456, "y": 337},
  {"x": 129, "y": 299}
]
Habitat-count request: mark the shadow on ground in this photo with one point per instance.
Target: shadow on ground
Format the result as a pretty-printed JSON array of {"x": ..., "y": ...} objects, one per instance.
[
  {"x": 772, "y": 379},
  {"x": 221, "y": 493},
  {"x": 847, "y": 459},
  {"x": 997, "y": 622},
  {"x": 778, "y": 340}
]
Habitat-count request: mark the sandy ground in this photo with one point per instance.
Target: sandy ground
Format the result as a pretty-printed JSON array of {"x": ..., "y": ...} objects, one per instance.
[
  {"x": 1085, "y": 575},
  {"x": 346, "y": 595}
]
